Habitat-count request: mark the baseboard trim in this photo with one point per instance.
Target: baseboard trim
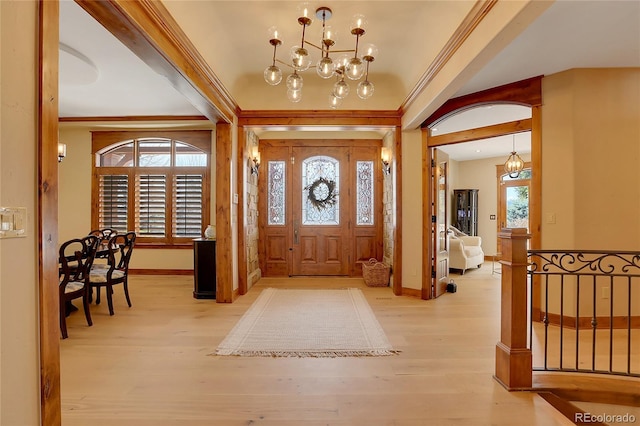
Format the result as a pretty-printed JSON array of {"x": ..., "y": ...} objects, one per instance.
[
  {"x": 619, "y": 322},
  {"x": 412, "y": 292}
]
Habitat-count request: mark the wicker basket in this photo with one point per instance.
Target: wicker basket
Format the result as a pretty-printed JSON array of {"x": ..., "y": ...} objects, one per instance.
[{"x": 375, "y": 274}]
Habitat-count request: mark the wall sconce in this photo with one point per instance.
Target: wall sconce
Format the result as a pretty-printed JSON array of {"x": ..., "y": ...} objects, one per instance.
[
  {"x": 62, "y": 151},
  {"x": 385, "y": 155},
  {"x": 255, "y": 158}
]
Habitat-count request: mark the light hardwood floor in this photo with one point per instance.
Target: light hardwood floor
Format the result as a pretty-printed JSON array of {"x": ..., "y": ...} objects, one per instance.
[{"x": 152, "y": 365}]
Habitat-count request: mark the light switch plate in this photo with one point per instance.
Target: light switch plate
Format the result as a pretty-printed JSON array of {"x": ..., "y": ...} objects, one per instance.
[{"x": 13, "y": 222}]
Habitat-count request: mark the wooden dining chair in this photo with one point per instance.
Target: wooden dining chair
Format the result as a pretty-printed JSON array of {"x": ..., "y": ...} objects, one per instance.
[
  {"x": 76, "y": 259},
  {"x": 115, "y": 271},
  {"x": 104, "y": 235}
]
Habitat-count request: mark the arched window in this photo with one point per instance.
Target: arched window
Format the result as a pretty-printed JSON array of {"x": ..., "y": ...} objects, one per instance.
[{"x": 154, "y": 183}]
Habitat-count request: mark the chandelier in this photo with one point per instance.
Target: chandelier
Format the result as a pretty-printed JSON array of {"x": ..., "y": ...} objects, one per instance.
[
  {"x": 514, "y": 164},
  {"x": 352, "y": 64}
]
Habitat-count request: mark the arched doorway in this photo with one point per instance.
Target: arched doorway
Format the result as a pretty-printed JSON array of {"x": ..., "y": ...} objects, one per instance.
[{"x": 527, "y": 93}]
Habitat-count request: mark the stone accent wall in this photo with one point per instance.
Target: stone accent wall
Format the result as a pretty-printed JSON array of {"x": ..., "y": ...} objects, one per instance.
[
  {"x": 388, "y": 203},
  {"x": 251, "y": 229}
]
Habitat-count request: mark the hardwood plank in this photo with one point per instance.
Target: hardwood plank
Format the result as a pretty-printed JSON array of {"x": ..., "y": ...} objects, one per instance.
[{"x": 152, "y": 365}]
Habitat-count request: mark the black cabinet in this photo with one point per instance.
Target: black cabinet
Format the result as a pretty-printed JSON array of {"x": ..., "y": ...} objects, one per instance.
[
  {"x": 465, "y": 204},
  {"x": 204, "y": 268}
]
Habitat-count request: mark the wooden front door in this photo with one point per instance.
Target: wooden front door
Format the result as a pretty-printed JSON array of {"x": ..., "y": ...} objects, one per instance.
[
  {"x": 320, "y": 214},
  {"x": 320, "y": 207}
]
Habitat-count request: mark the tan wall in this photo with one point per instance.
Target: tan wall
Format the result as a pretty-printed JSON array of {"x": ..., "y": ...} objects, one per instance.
[
  {"x": 412, "y": 254},
  {"x": 481, "y": 175},
  {"x": 74, "y": 201},
  {"x": 591, "y": 153},
  {"x": 19, "y": 337},
  {"x": 590, "y": 172}
]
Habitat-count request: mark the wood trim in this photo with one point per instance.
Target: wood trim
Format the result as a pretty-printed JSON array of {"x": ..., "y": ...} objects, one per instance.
[
  {"x": 524, "y": 92},
  {"x": 567, "y": 409},
  {"x": 535, "y": 207},
  {"x": 512, "y": 127},
  {"x": 427, "y": 211},
  {"x": 396, "y": 165},
  {"x": 587, "y": 387},
  {"x": 147, "y": 28},
  {"x": 247, "y": 115},
  {"x": 161, "y": 271},
  {"x": 134, "y": 118},
  {"x": 285, "y": 120},
  {"x": 50, "y": 400},
  {"x": 101, "y": 139},
  {"x": 604, "y": 322},
  {"x": 224, "y": 228},
  {"x": 411, "y": 292},
  {"x": 319, "y": 143},
  {"x": 241, "y": 176},
  {"x": 464, "y": 30}
]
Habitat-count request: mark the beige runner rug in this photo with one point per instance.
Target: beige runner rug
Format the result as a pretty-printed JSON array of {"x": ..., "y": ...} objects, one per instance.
[{"x": 307, "y": 323}]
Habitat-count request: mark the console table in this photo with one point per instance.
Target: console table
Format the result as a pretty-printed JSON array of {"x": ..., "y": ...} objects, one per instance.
[{"x": 204, "y": 268}]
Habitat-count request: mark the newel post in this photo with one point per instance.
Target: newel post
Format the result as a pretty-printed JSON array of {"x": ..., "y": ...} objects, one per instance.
[{"x": 513, "y": 358}]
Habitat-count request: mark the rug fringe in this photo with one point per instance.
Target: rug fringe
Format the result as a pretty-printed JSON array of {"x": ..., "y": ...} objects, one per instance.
[{"x": 307, "y": 354}]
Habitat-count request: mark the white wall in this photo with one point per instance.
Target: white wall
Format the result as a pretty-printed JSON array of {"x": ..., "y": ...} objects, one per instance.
[{"x": 19, "y": 336}]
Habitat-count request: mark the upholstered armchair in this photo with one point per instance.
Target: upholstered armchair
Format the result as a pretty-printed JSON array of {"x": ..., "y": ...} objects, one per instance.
[{"x": 465, "y": 251}]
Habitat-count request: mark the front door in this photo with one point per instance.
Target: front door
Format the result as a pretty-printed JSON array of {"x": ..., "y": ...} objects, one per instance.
[
  {"x": 320, "y": 206},
  {"x": 514, "y": 200},
  {"x": 320, "y": 211}
]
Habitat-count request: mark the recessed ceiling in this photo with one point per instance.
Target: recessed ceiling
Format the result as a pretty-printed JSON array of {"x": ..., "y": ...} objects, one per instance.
[{"x": 232, "y": 36}]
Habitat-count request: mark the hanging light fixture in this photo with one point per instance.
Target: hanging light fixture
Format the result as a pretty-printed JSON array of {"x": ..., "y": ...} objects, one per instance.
[
  {"x": 514, "y": 164},
  {"x": 352, "y": 64}
]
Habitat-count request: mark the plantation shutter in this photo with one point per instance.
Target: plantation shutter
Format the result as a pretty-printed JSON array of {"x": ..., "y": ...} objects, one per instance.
[
  {"x": 113, "y": 206},
  {"x": 187, "y": 205},
  {"x": 151, "y": 205}
]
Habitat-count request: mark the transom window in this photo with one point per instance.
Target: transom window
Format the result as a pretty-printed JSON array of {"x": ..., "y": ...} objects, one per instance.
[{"x": 155, "y": 183}]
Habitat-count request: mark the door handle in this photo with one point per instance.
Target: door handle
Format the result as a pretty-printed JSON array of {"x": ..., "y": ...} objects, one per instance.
[{"x": 295, "y": 232}]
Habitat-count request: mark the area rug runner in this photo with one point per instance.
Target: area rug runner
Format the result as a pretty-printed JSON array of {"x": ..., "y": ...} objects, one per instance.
[{"x": 307, "y": 323}]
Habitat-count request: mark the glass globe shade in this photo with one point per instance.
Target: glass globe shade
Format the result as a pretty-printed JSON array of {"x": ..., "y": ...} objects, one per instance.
[
  {"x": 342, "y": 61},
  {"x": 325, "y": 67},
  {"x": 341, "y": 89},
  {"x": 273, "y": 75},
  {"x": 355, "y": 69},
  {"x": 369, "y": 52},
  {"x": 357, "y": 24},
  {"x": 300, "y": 58},
  {"x": 334, "y": 101},
  {"x": 294, "y": 95},
  {"x": 306, "y": 11},
  {"x": 294, "y": 81},
  {"x": 274, "y": 34},
  {"x": 365, "y": 89}
]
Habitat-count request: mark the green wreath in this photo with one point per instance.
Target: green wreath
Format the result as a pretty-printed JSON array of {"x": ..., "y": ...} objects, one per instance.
[{"x": 322, "y": 193}]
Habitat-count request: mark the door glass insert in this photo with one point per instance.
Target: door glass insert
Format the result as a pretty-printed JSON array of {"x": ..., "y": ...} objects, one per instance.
[
  {"x": 277, "y": 190},
  {"x": 517, "y": 207},
  {"x": 320, "y": 191},
  {"x": 365, "y": 192}
]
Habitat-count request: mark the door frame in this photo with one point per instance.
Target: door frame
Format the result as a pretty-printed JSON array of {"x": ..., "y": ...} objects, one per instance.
[
  {"x": 267, "y": 146},
  {"x": 501, "y": 208},
  {"x": 525, "y": 92}
]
